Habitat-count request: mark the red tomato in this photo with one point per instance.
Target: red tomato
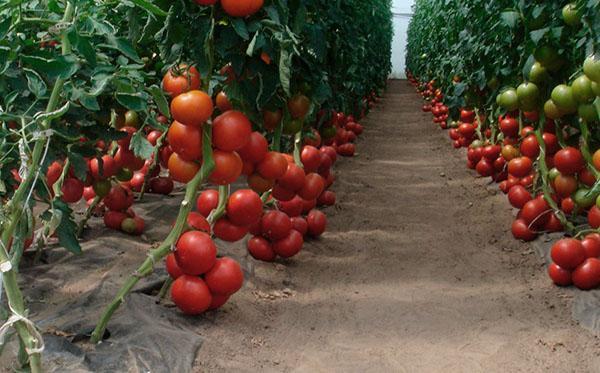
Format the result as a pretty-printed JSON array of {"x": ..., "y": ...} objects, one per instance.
[
  {"x": 161, "y": 185},
  {"x": 553, "y": 224},
  {"x": 180, "y": 80},
  {"x": 559, "y": 276},
  {"x": 275, "y": 225},
  {"x": 313, "y": 186},
  {"x": 292, "y": 207},
  {"x": 198, "y": 222},
  {"x": 181, "y": 170},
  {"x": 192, "y": 108},
  {"x": 231, "y": 131},
  {"x": 228, "y": 167},
  {"x": 222, "y": 100},
  {"x": 317, "y": 223},
  {"x": 300, "y": 224},
  {"x": 118, "y": 199},
  {"x": 255, "y": 149},
  {"x": 195, "y": 252},
  {"x": 484, "y": 167},
  {"x": 327, "y": 198},
  {"x": 190, "y": 294},
  {"x": 218, "y": 300},
  {"x": 273, "y": 166},
  {"x": 261, "y": 249},
  {"x": 241, "y": 8},
  {"x": 586, "y": 177},
  {"x": 259, "y": 184},
  {"x": 346, "y": 150},
  {"x": 530, "y": 147},
  {"x": 126, "y": 158},
  {"x": 172, "y": 267},
  {"x": 72, "y": 190},
  {"x": 244, "y": 207},
  {"x": 509, "y": 127},
  {"x": 587, "y": 275},
  {"x": 520, "y": 166},
  {"x": 568, "y": 253},
  {"x": 289, "y": 245},
  {"x": 594, "y": 217},
  {"x": 186, "y": 141},
  {"x": 136, "y": 182},
  {"x": 153, "y": 137},
  {"x": 113, "y": 219},
  {"x": 518, "y": 196},
  {"x": 311, "y": 158},
  {"x": 591, "y": 245},
  {"x": 293, "y": 179},
  {"x": 551, "y": 141},
  {"x": 536, "y": 212},
  {"x": 330, "y": 151},
  {"x": 567, "y": 205},
  {"x": 569, "y": 161},
  {"x": 109, "y": 167},
  {"x": 520, "y": 230},
  {"x": 207, "y": 201},
  {"x": 227, "y": 231},
  {"x": 225, "y": 277}
]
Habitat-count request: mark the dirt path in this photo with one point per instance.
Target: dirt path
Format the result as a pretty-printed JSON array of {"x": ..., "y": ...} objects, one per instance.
[{"x": 418, "y": 272}]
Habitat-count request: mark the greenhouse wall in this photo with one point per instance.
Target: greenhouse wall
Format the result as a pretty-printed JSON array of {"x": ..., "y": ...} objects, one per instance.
[{"x": 402, "y": 10}]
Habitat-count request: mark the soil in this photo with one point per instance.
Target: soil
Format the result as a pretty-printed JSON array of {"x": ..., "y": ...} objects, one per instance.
[{"x": 418, "y": 272}]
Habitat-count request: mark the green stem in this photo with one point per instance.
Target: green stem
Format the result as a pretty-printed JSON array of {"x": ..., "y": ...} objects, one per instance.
[
  {"x": 165, "y": 288},
  {"x": 218, "y": 212},
  {"x": 88, "y": 214},
  {"x": 297, "y": 148},
  {"x": 147, "y": 267}
]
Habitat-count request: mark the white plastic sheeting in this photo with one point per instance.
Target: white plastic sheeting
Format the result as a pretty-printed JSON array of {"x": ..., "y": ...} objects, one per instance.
[{"x": 402, "y": 10}]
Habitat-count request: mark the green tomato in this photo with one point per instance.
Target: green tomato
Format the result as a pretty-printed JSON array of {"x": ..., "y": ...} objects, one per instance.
[
  {"x": 588, "y": 113},
  {"x": 124, "y": 174},
  {"x": 132, "y": 119},
  {"x": 582, "y": 199},
  {"x": 553, "y": 173},
  {"x": 128, "y": 225},
  {"x": 571, "y": 15},
  {"x": 476, "y": 144},
  {"x": 509, "y": 99},
  {"x": 563, "y": 97},
  {"x": 596, "y": 88},
  {"x": 591, "y": 68},
  {"x": 551, "y": 110},
  {"x": 292, "y": 126},
  {"x": 528, "y": 95},
  {"x": 492, "y": 83},
  {"x": 598, "y": 201},
  {"x": 538, "y": 73},
  {"x": 102, "y": 187},
  {"x": 582, "y": 89},
  {"x": 549, "y": 58}
]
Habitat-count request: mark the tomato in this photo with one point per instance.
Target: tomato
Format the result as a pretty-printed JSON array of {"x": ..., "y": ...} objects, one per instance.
[
  {"x": 225, "y": 277},
  {"x": 536, "y": 212},
  {"x": 113, "y": 219},
  {"x": 191, "y": 295},
  {"x": 520, "y": 167},
  {"x": 591, "y": 245},
  {"x": 231, "y": 131},
  {"x": 568, "y": 253},
  {"x": 223, "y": 102},
  {"x": 186, "y": 141},
  {"x": 594, "y": 217},
  {"x": 181, "y": 79},
  {"x": 346, "y": 150},
  {"x": 583, "y": 198},
  {"x": 273, "y": 166},
  {"x": 300, "y": 224},
  {"x": 520, "y": 230},
  {"x": 327, "y": 198},
  {"x": 538, "y": 73},
  {"x": 294, "y": 177},
  {"x": 153, "y": 137},
  {"x": 108, "y": 168},
  {"x": 582, "y": 90},
  {"x": 118, "y": 199},
  {"x": 484, "y": 167},
  {"x": 313, "y": 187},
  {"x": 567, "y": 205},
  {"x": 89, "y": 194},
  {"x": 290, "y": 127},
  {"x": 192, "y": 108},
  {"x": 227, "y": 231},
  {"x": 508, "y": 99},
  {"x": 255, "y": 149},
  {"x": 467, "y": 116},
  {"x": 164, "y": 154},
  {"x": 568, "y": 160},
  {"x": 101, "y": 188},
  {"x": 518, "y": 196},
  {"x": 311, "y": 158},
  {"x": 136, "y": 182},
  {"x": 172, "y": 267},
  {"x": 509, "y": 152},
  {"x": 313, "y": 139},
  {"x": 317, "y": 223},
  {"x": 181, "y": 170},
  {"x": 491, "y": 152},
  {"x": 281, "y": 193},
  {"x": 272, "y": 119},
  {"x": 241, "y": 8},
  {"x": 587, "y": 275},
  {"x": 596, "y": 159},
  {"x": 161, "y": 185},
  {"x": 260, "y": 249},
  {"x": 553, "y": 224},
  {"x": 530, "y": 147},
  {"x": 299, "y": 105},
  {"x": 126, "y": 158},
  {"x": 289, "y": 245},
  {"x": 259, "y": 184},
  {"x": 565, "y": 185},
  {"x": 466, "y": 130},
  {"x": 207, "y": 201},
  {"x": 244, "y": 207},
  {"x": 228, "y": 167},
  {"x": 195, "y": 252},
  {"x": 559, "y": 276},
  {"x": 292, "y": 207},
  {"x": 275, "y": 225},
  {"x": 528, "y": 94},
  {"x": 563, "y": 97},
  {"x": 591, "y": 68},
  {"x": 125, "y": 174},
  {"x": 133, "y": 226},
  {"x": 197, "y": 221}
]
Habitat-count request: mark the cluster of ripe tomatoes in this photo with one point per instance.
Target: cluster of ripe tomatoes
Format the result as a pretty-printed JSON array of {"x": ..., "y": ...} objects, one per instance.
[{"x": 513, "y": 162}]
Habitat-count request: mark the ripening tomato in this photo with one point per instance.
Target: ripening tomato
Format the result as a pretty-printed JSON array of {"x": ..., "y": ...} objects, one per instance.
[
  {"x": 591, "y": 245},
  {"x": 207, "y": 201},
  {"x": 559, "y": 276},
  {"x": 118, "y": 199},
  {"x": 568, "y": 253},
  {"x": 133, "y": 226},
  {"x": 181, "y": 79},
  {"x": 587, "y": 275},
  {"x": 596, "y": 159},
  {"x": 565, "y": 185},
  {"x": 227, "y": 231},
  {"x": 181, "y": 170},
  {"x": 190, "y": 294},
  {"x": 313, "y": 186},
  {"x": 255, "y": 149},
  {"x": 313, "y": 139},
  {"x": 275, "y": 225},
  {"x": 108, "y": 168},
  {"x": 259, "y": 184},
  {"x": 569, "y": 161},
  {"x": 298, "y": 106},
  {"x": 228, "y": 167},
  {"x": 197, "y": 221},
  {"x": 244, "y": 207},
  {"x": 272, "y": 119},
  {"x": 518, "y": 196},
  {"x": 289, "y": 245},
  {"x": 231, "y": 131},
  {"x": 225, "y": 277},
  {"x": 195, "y": 252},
  {"x": 521, "y": 231},
  {"x": 294, "y": 177},
  {"x": 113, "y": 219},
  {"x": 273, "y": 166},
  {"x": 317, "y": 223},
  {"x": 186, "y": 141},
  {"x": 223, "y": 102},
  {"x": 172, "y": 267},
  {"x": 241, "y": 8},
  {"x": 520, "y": 166},
  {"x": 192, "y": 108}
]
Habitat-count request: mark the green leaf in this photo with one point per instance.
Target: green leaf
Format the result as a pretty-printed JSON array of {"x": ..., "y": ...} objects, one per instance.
[
  {"x": 161, "y": 101},
  {"x": 57, "y": 67},
  {"x": 43, "y": 116},
  {"x": 4, "y": 27},
  {"x": 240, "y": 28},
  {"x": 124, "y": 46},
  {"x": 67, "y": 229},
  {"x": 133, "y": 101},
  {"x": 250, "y": 49},
  {"x": 510, "y": 18},
  {"x": 78, "y": 164},
  {"x": 141, "y": 146},
  {"x": 35, "y": 83},
  {"x": 285, "y": 70},
  {"x": 83, "y": 45},
  {"x": 537, "y": 35},
  {"x": 150, "y": 7}
]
